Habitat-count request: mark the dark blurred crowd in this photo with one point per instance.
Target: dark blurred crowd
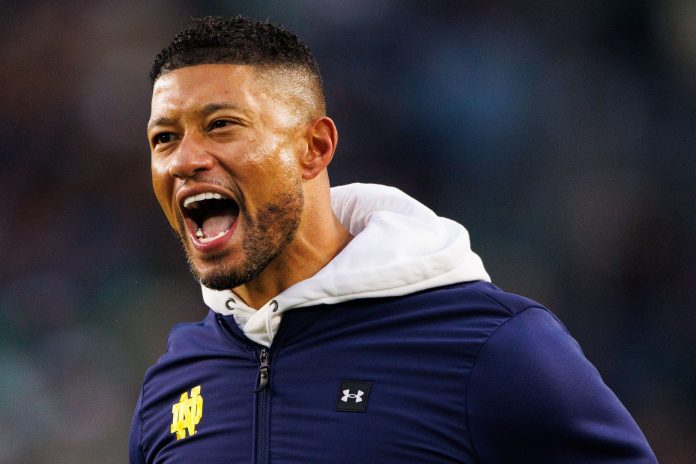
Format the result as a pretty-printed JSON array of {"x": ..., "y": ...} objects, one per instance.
[{"x": 559, "y": 133}]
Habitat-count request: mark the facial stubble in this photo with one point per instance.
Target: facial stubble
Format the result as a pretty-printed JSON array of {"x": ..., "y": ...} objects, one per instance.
[{"x": 266, "y": 234}]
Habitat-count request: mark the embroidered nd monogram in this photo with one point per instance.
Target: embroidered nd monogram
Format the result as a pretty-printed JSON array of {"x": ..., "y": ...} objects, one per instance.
[{"x": 187, "y": 413}]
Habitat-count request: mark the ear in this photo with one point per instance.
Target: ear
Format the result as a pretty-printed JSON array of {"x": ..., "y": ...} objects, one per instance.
[{"x": 322, "y": 138}]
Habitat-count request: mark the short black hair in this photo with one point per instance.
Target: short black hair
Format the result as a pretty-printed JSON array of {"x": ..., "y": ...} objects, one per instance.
[{"x": 235, "y": 40}]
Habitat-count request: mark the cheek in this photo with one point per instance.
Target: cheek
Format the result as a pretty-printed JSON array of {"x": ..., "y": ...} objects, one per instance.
[
  {"x": 162, "y": 187},
  {"x": 288, "y": 166},
  {"x": 287, "y": 157},
  {"x": 270, "y": 165},
  {"x": 274, "y": 174}
]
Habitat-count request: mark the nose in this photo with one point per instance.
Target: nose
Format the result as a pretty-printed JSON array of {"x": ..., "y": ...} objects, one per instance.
[{"x": 190, "y": 158}]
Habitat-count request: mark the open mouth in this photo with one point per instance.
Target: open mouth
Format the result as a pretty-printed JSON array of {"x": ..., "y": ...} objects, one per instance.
[{"x": 209, "y": 216}]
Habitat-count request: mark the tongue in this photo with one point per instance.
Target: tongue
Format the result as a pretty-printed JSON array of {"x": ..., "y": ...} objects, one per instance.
[{"x": 217, "y": 224}]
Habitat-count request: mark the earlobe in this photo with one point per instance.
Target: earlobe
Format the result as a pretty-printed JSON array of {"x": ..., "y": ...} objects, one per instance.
[{"x": 321, "y": 144}]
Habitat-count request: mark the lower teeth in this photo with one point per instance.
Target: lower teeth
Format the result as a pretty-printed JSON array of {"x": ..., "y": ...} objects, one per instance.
[{"x": 203, "y": 239}]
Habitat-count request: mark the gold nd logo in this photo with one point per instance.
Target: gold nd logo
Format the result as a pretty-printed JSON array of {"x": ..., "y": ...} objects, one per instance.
[{"x": 187, "y": 413}]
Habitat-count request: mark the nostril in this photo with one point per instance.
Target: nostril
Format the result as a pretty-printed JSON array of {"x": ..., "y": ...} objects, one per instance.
[
  {"x": 186, "y": 164},
  {"x": 185, "y": 169},
  {"x": 178, "y": 175}
]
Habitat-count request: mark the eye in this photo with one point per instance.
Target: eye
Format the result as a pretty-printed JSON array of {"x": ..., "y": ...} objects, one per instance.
[
  {"x": 220, "y": 123},
  {"x": 162, "y": 138}
]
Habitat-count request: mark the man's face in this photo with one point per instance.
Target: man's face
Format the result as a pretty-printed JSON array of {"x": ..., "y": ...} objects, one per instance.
[{"x": 225, "y": 169}]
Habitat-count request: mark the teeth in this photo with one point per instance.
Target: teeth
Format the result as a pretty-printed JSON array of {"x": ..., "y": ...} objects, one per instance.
[
  {"x": 209, "y": 239},
  {"x": 191, "y": 202},
  {"x": 199, "y": 233}
]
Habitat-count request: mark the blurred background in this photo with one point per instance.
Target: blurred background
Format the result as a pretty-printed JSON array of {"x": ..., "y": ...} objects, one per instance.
[{"x": 561, "y": 133}]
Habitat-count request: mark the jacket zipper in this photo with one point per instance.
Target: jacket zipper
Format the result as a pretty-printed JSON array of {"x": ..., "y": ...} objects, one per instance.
[
  {"x": 264, "y": 370},
  {"x": 261, "y": 393}
]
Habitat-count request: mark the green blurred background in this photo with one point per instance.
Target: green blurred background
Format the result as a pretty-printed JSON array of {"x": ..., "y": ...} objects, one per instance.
[{"x": 561, "y": 133}]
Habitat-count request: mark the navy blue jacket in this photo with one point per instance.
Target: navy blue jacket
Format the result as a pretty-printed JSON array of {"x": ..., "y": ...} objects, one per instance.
[{"x": 459, "y": 374}]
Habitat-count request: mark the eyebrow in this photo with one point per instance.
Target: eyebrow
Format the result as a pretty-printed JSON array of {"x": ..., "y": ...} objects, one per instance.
[
  {"x": 160, "y": 122},
  {"x": 207, "y": 110},
  {"x": 210, "y": 108}
]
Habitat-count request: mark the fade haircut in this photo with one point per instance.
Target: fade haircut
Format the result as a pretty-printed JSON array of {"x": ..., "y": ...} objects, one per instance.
[{"x": 240, "y": 40}]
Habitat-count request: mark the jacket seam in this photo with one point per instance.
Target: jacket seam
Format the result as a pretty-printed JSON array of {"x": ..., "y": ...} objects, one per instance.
[
  {"x": 495, "y": 300},
  {"x": 476, "y": 358}
]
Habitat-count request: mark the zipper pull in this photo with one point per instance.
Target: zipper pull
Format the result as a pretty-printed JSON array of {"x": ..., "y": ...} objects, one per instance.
[{"x": 264, "y": 371}]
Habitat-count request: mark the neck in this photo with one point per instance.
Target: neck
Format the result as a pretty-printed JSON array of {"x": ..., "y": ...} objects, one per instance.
[{"x": 312, "y": 248}]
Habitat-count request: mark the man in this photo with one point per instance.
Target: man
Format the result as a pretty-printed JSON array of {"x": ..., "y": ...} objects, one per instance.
[{"x": 348, "y": 324}]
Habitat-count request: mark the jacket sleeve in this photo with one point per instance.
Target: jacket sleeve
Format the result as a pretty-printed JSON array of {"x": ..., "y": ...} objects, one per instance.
[
  {"x": 135, "y": 451},
  {"x": 534, "y": 397}
]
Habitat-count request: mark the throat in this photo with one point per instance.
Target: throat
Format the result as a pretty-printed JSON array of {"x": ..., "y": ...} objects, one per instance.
[
  {"x": 210, "y": 219},
  {"x": 216, "y": 225}
]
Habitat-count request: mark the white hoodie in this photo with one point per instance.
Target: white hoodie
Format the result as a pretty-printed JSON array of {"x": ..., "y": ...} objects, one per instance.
[{"x": 399, "y": 247}]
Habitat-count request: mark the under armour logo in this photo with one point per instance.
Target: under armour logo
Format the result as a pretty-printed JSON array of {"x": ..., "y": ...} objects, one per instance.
[
  {"x": 356, "y": 396},
  {"x": 353, "y": 402}
]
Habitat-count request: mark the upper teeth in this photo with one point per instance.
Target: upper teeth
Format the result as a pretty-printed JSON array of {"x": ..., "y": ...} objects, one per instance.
[{"x": 193, "y": 199}]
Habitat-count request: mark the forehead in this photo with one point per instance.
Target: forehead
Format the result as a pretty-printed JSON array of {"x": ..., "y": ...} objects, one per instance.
[{"x": 192, "y": 87}]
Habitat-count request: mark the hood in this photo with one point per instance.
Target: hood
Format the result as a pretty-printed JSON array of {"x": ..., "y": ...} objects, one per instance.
[{"x": 399, "y": 247}]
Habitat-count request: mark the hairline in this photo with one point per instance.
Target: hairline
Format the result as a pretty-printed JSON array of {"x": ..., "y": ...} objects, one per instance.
[{"x": 315, "y": 87}]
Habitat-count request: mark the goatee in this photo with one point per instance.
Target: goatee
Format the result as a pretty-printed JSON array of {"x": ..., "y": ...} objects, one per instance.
[{"x": 265, "y": 236}]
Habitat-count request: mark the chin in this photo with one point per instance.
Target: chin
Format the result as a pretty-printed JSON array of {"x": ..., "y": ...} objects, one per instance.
[{"x": 220, "y": 275}]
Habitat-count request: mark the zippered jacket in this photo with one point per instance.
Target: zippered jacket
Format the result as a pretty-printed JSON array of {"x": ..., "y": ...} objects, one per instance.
[{"x": 454, "y": 371}]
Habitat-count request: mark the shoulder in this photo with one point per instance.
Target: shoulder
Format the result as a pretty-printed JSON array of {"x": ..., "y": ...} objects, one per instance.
[
  {"x": 532, "y": 391},
  {"x": 478, "y": 306},
  {"x": 482, "y": 295},
  {"x": 196, "y": 353},
  {"x": 186, "y": 343},
  {"x": 459, "y": 318},
  {"x": 510, "y": 302},
  {"x": 188, "y": 336}
]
